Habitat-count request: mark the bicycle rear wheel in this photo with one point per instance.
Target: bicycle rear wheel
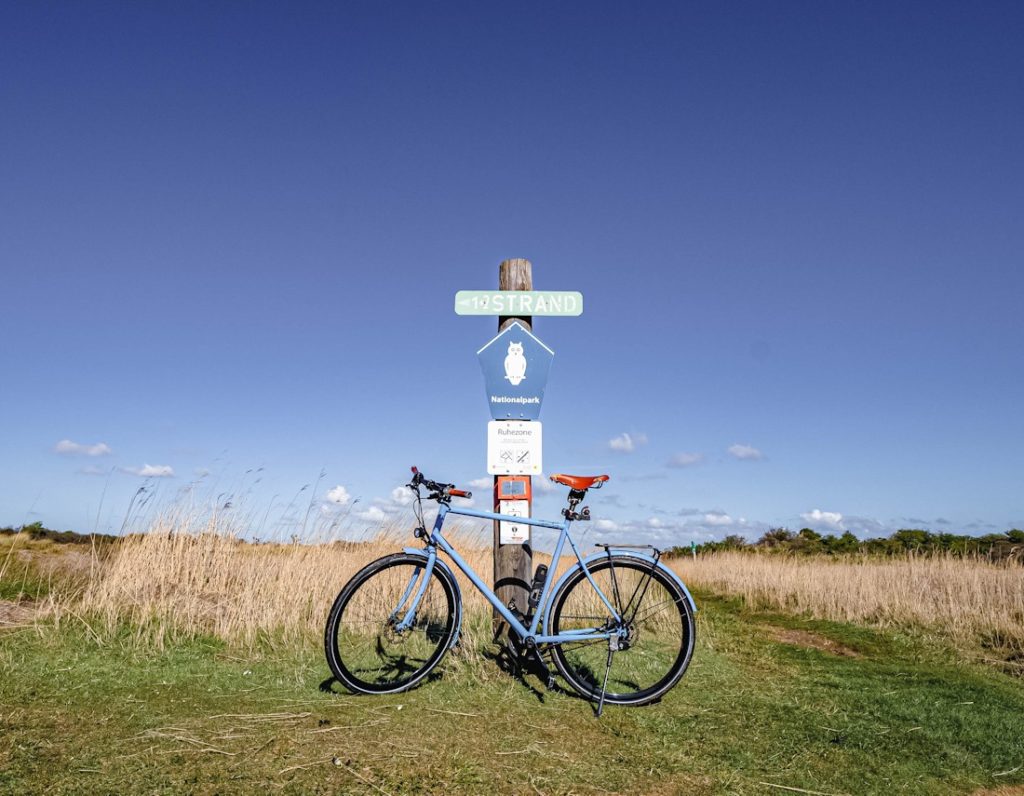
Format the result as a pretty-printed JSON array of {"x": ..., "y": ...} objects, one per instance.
[
  {"x": 660, "y": 631},
  {"x": 365, "y": 651}
]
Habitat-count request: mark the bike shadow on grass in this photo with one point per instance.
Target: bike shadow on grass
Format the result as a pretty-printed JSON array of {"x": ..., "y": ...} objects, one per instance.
[
  {"x": 502, "y": 657},
  {"x": 508, "y": 657},
  {"x": 395, "y": 665},
  {"x": 507, "y": 663},
  {"x": 511, "y": 660},
  {"x": 327, "y": 686},
  {"x": 520, "y": 667}
]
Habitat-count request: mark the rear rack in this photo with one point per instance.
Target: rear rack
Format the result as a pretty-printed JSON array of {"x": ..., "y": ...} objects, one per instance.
[{"x": 630, "y": 547}]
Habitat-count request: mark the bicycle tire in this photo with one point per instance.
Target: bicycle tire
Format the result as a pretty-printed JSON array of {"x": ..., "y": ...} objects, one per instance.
[
  {"x": 661, "y": 640},
  {"x": 364, "y": 652}
]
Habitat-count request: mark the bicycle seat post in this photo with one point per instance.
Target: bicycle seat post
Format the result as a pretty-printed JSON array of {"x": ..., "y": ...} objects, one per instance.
[{"x": 570, "y": 513}]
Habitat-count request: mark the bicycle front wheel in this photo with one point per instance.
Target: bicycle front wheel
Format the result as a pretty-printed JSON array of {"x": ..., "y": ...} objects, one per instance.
[
  {"x": 658, "y": 621},
  {"x": 365, "y": 649}
]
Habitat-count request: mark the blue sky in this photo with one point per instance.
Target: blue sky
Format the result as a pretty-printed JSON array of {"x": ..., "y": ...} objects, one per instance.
[{"x": 231, "y": 235}]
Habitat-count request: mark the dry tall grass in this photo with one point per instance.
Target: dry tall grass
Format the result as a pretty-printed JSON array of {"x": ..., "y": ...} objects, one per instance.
[
  {"x": 188, "y": 577},
  {"x": 969, "y": 600}
]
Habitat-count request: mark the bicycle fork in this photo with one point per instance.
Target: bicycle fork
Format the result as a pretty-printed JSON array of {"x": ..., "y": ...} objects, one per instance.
[{"x": 422, "y": 576}]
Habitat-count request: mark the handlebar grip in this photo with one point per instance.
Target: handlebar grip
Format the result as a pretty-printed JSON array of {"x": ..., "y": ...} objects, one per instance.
[{"x": 462, "y": 493}]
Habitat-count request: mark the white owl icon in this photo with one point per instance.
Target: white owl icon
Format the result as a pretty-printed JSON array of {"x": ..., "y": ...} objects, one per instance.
[{"x": 515, "y": 364}]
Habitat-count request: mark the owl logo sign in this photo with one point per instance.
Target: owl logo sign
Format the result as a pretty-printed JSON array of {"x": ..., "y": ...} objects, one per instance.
[{"x": 515, "y": 366}]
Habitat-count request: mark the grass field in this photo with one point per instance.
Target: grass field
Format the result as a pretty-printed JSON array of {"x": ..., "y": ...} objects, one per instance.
[
  {"x": 971, "y": 602},
  {"x": 174, "y": 687}
]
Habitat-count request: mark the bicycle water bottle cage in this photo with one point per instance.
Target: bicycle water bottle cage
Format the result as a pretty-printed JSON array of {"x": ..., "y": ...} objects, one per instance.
[{"x": 536, "y": 587}]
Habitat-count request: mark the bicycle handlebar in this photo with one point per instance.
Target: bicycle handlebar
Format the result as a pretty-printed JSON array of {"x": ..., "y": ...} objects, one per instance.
[{"x": 441, "y": 491}]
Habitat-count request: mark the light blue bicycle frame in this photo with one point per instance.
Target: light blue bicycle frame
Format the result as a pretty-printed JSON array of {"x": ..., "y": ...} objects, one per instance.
[{"x": 437, "y": 540}]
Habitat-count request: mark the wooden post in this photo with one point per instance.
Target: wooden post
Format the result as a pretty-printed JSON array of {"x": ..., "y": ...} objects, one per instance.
[{"x": 513, "y": 563}]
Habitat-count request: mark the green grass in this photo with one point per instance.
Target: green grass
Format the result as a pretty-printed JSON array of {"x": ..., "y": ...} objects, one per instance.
[
  {"x": 21, "y": 581},
  {"x": 29, "y": 567},
  {"x": 903, "y": 716}
]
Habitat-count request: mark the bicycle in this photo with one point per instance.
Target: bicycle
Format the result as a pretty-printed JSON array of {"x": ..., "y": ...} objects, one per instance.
[{"x": 393, "y": 622}]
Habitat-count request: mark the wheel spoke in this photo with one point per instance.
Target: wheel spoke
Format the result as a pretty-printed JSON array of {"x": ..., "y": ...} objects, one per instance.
[
  {"x": 656, "y": 639},
  {"x": 649, "y": 609}
]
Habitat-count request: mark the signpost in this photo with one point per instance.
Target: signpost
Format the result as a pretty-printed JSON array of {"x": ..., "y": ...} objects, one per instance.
[
  {"x": 513, "y": 563},
  {"x": 515, "y": 365}
]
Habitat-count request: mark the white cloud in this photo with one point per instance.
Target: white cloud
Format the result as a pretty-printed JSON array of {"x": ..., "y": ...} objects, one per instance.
[
  {"x": 150, "y": 471},
  {"x": 627, "y": 443},
  {"x": 70, "y": 448},
  {"x": 468, "y": 503},
  {"x": 482, "y": 483},
  {"x": 745, "y": 452},
  {"x": 717, "y": 518},
  {"x": 545, "y": 485},
  {"x": 402, "y": 496},
  {"x": 830, "y": 519},
  {"x": 373, "y": 514},
  {"x": 866, "y": 526},
  {"x": 661, "y": 532},
  {"x": 397, "y": 504},
  {"x": 156, "y": 471},
  {"x": 338, "y": 495},
  {"x": 685, "y": 459}
]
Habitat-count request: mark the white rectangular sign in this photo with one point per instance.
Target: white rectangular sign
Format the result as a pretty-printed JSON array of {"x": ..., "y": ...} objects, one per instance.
[
  {"x": 514, "y": 447},
  {"x": 511, "y": 532},
  {"x": 519, "y": 302}
]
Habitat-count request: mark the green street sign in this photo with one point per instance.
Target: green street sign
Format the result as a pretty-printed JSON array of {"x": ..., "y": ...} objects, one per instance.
[{"x": 518, "y": 302}]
